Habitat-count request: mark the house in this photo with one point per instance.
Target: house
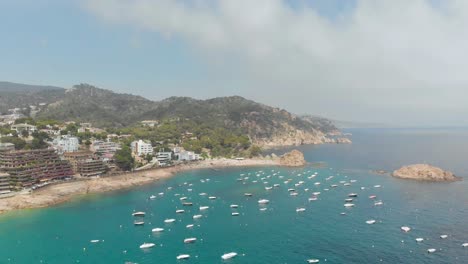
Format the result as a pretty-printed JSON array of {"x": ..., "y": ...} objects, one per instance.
[
  {"x": 150, "y": 123},
  {"x": 164, "y": 158},
  {"x": 187, "y": 156},
  {"x": 23, "y": 127},
  {"x": 106, "y": 149},
  {"x": 66, "y": 144},
  {"x": 141, "y": 147},
  {"x": 7, "y": 146}
]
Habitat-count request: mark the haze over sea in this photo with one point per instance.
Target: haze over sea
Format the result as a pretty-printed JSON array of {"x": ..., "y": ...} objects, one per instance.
[{"x": 62, "y": 234}]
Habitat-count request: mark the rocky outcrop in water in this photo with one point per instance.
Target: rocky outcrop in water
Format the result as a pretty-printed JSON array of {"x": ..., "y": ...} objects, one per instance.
[
  {"x": 294, "y": 158},
  {"x": 424, "y": 172}
]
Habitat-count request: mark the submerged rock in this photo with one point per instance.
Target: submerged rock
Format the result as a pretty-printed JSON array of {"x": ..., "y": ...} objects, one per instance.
[
  {"x": 424, "y": 172},
  {"x": 294, "y": 158}
]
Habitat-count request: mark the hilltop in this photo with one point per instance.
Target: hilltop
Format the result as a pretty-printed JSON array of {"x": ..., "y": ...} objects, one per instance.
[{"x": 265, "y": 125}]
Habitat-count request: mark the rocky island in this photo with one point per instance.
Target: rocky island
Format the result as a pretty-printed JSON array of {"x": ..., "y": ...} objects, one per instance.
[
  {"x": 425, "y": 172},
  {"x": 294, "y": 158}
]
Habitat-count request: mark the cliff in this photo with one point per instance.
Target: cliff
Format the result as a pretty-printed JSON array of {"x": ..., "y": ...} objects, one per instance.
[
  {"x": 294, "y": 158},
  {"x": 424, "y": 172}
]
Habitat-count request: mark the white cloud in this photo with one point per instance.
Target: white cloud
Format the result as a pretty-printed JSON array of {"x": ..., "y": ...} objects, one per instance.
[{"x": 400, "y": 61}]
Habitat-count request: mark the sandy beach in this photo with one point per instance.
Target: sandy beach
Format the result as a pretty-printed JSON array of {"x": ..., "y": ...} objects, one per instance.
[{"x": 62, "y": 192}]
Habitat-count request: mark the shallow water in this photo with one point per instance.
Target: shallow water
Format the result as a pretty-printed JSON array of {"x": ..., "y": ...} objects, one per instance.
[{"x": 62, "y": 234}]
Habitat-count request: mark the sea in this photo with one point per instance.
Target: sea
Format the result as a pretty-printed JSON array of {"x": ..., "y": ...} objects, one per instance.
[{"x": 325, "y": 231}]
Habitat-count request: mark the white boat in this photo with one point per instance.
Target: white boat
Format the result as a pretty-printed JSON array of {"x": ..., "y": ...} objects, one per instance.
[
  {"x": 300, "y": 210},
  {"x": 139, "y": 214},
  {"x": 334, "y": 185},
  {"x": 203, "y": 194},
  {"x": 212, "y": 197},
  {"x": 95, "y": 241},
  {"x": 183, "y": 198},
  {"x": 348, "y": 205},
  {"x": 347, "y": 184},
  {"x": 465, "y": 245},
  {"x": 313, "y": 261},
  {"x": 152, "y": 197},
  {"x": 189, "y": 226},
  {"x": 405, "y": 229},
  {"x": 171, "y": 220},
  {"x": 377, "y": 186},
  {"x": 157, "y": 229},
  {"x": 268, "y": 188},
  {"x": 138, "y": 223},
  {"x": 263, "y": 201},
  {"x": 161, "y": 194},
  {"x": 248, "y": 194},
  {"x": 313, "y": 199},
  {"x": 229, "y": 255},
  {"x": 291, "y": 190},
  {"x": 419, "y": 239},
  {"x": 190, "y": 240},
  {"x": 183, "y": 256},
  {"x": 378, "y": 203},
  {"x": 276, "y": 185},
  {"x": 147, "y": 245},
  {"x": 197, "y": 216},
  {"x": 317, "y": 183},
  {"x": 348, "y": 200},
  {"x": 234, "y": 205},
  {"x": 202, "y": 208},
  {"x": 316, "y": 193},
  {"x": 443, "y": 236},
  {"x": 352, "y": 195},
  {"x": 187, "y": 204},
  {"x": 370, "y": 222},
  {"x": 180, "y": 211},
  {"x": 293, "y": 194},
  {"x": 263, "y": 209},
  {"x": 235, "y": 214},
  {"x": 352, "y": 181},
  {"x": 372, "y": 197},
  {"x": 431, "y": 250}
]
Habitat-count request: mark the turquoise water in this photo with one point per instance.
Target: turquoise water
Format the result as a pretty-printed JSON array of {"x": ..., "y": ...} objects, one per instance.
[{"x": 62, "y": 234}]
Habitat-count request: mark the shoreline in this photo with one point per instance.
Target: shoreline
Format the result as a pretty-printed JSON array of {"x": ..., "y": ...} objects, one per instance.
[{"x": 65, "y": 191}]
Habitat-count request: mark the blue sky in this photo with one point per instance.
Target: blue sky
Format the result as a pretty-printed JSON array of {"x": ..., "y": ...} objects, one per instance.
[{"x": 350, "y": 60}]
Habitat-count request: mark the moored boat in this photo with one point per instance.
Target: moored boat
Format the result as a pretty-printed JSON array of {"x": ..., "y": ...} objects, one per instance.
[
  {"x": 229, "y": 255},
  {"x": 147, "y": 245}
]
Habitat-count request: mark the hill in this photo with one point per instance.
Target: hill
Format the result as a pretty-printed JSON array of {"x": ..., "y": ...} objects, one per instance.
[{"x": 265, "y": 125}]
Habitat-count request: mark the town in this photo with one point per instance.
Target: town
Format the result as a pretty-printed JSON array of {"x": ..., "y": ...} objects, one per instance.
[{"x": 36, "y": 153}]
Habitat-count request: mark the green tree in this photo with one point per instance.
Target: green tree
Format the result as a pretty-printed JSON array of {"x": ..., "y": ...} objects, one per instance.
[
  {"x": 255, "y": 151},
  {"x": 123, "y": 158},
  {"x": 18, "y": 142}
]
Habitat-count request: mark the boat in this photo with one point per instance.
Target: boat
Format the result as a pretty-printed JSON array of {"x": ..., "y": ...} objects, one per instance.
[
  {"x": 263, "y": 201},
  {"x": 187, "y": 204},
  {"x": 291, "y": 190},
  {"x": 405, "y": 229},
  {"x": 343, "y": 213},
  {"x": 276, "y": 185},
  {"x": 352, "y": 195},
  {"x": 139, "y": 214},
  {"x": 157, "y": 229},
  {"x": 313, "y": 199},
  {"x": 317, "y": 183},
  {"x": 189, "y": 226},
  {"x": 348, "y": 200},
  {"x": 138, "y": 223},
  {"x": 268, "y": 188},
  {"x": 212, "y": 197},
  {"x": 235, "y": 214},
  {"x": 183, "y": 256},
  {"x": 443, "y": 236},
  {"x": 378, "y": 203},
  {"x": 161, "y": 194},
  {"x": 152, "y": 197},
  {"x": 372, "y": 197},
  {"x": 197, "y": 216},
  {"x": 465, "y": 245},
  {"x": 370, "y": 222},
  {"x": 263, "y": 209},
  {"x": 316, "y": 193},
  {"x": 202, "y": 208},
  {"x": 183, "y": 198},
  {"x": 300, "y": 210},
  {"x": 180, "y": 211},
  {"x": 190, "y": 240},
  {"x": 334, "y": 185},
  {"x": 347, "y": 184},
  {"x": 172, "y": 220},
  {"x": 234, "y": 205},
  {"x": 147, "y": 245},
  {"x": 95, "y": 241},
  {"x": 348, "y": 205},
  {"x": 313, "y": 261},
  {"x": 431, "y": 250},
  {"x": 229, "y": 255},
  {"x": 203, "y": 194},
  {"x": 248, "y": 194},
  {"x": 419, "y": 239},
  {"x": 377, "y": 186},
  {"x": 293, "y": 194},
  {"x": 352, "y": 181}
]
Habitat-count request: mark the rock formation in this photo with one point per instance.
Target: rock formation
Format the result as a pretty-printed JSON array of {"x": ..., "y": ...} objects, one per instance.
[
  {"x": 294, "y": 158},
  {"x": 424, "y": 172}
]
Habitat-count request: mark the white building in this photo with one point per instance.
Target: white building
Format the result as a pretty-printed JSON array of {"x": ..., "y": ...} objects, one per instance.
[
  {"x": 187, "y": 156},
  {"x": 141, "y": 147},
  {"x": 66, "y": 144},
  {"x": 23, "y": 127}
]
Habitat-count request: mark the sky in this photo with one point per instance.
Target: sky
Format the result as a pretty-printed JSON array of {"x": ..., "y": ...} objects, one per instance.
[{"x": 395, "y": 62}]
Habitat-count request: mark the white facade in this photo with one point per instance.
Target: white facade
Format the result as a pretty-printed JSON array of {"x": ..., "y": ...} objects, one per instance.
[
  {"x": 21, "y": 127},
  {"x": 66, "y": 144},
  {"x": 140, "y": 147},
  {"x": 188, "y": 156}
]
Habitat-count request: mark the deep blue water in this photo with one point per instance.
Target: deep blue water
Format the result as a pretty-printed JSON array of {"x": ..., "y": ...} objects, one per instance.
[{"x": 62, "y": 234}]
